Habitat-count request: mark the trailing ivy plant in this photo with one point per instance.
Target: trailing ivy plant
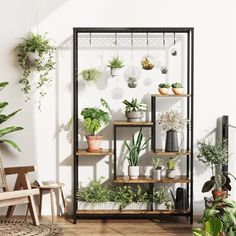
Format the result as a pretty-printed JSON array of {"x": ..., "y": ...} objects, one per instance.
[
  {"x": 3, "y": 118},
  {"x": 43, "y": 63}
]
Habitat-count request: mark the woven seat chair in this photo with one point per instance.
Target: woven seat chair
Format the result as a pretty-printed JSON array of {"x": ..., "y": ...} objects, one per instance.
[{"x": 22, "y": 194}]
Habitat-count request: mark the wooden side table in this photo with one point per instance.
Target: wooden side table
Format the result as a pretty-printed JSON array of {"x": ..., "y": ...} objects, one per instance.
[{"x": 51, "y": 189}]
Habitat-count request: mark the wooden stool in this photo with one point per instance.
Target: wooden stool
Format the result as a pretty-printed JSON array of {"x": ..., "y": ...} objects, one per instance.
[{"x": 49, "y": 189}]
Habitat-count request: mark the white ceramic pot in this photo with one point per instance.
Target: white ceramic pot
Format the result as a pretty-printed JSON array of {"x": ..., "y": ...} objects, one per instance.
[
  {"x": 133, "y": 172},
  {"x": 32, "y": 57},
  {"x": 115, "y": 72},
  {"x": 163, "y": 91},
  {"x": 136, "y": 206},
  {"x": 157, "y": 206},
  {"x": 178, "y": 91},
  {"x": 98, "y": 206},
  {"x": 134, "y": 116},
  {"x": 170, "y": 174}
]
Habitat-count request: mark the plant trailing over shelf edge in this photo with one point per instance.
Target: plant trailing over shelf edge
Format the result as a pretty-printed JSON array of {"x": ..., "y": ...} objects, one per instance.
[
  {"x": 95, "y": 117},
  {"x": 4, "y": 118},
  {"x": 39, "y": 44}
]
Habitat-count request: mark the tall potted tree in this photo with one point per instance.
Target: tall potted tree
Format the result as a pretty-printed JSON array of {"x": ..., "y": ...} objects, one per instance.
[
  {"x": 94, "y": 118},
  {"x": 3, "y": 118},
  {"x": 134, "y": 149}
]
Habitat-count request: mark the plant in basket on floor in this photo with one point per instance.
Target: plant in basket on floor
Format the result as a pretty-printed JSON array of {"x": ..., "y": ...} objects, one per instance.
[
  {"x": 93, "y": 119},
  {"x": 215, "y": 156},
  {"x": 137, "y": 145},
  {"x": 172, "y": 122},
  {"x": 134, "y": 110}
]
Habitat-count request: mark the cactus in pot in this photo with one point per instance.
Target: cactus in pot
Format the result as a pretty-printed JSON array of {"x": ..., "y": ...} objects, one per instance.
[{"x": 171, "y": 168}]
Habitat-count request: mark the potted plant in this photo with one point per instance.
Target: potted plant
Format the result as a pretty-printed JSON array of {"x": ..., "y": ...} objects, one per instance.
[
  {"x": 157, "y": 163},
  {"x": 160, "y": 199},
  {"x": 164, "y": 88},
  {"x": 35, "y": 53},
  {"x": 147, "y": 63},
  {"x": 134, "y": 110},
  {"x": 177, "y": 88},
  {"x": 96, "y": 196},
  {"x": 115, "y": 64},
  {"x": 215, "y": 156},
  {"x": 172, "y": 122},
  {"x": 170, "y": 172},
  {"x": 91, "y": 74},
  {"x": 132, "y": 82},
  {"x": 93, "y": 119},
  {"x": 164, "y": 70},
  {"x": 134, "y": 149},
  {"x": 4, "y": 118}
]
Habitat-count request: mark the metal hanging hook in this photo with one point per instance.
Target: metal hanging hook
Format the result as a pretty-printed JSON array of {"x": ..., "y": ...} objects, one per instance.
[
  {"x": 164, "y": 39},
  {"x": 147, "y": 40},
  {"x": 174, "y": 39},
  {"x": 90, "y": 39},
  {"x": 132, "y": 40},
  {"x": 116, "y": 39}
]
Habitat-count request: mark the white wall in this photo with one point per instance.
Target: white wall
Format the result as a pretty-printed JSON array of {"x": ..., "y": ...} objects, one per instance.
[{"x": 44, "y": 139}]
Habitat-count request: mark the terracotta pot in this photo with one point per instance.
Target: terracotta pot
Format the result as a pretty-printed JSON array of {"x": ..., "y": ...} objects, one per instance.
[
  {"x": 219, "y": 194},
  {"x": 163, "y": 91},
  {"x": 94, "y": 142},
  {"x": 178, "y": 91}
]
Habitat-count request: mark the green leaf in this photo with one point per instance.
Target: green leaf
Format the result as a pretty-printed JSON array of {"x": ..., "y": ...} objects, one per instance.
[
  {"x": 4, "y": 118},
  {"x": 3, "y": 85},
  {"x": 3, "y": 105},
  {"x": 8, "y": 130},
  {"x": 105, "y": 104},
  {"x": 208, "y": 186},
  {"x": 214, "y": 226},
  {"x": 11, "y": 143}
]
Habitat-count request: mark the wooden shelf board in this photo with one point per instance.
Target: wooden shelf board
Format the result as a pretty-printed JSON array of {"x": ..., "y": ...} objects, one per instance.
[
  {"x": 125, "y": 123},
  {"x": 170, "y": 95},
  {"x": 132, "y": 212},
  {"x": 144, "y": 179},
  {"x": 103, "y": 152},
  {"x": 160, "y": 152}
]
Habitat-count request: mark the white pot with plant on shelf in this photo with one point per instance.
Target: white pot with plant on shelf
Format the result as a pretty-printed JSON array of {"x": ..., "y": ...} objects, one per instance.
[
  {"x": 157, "y": 163},
  {"x": 115, "y": 66},
  {"x": 134, "y": 110},
  {"x": 94, "y": 118},
  {"x": 170, "y": 172},
  {"x": 137, "y": 145},
  {"x": 164, "y": 88},
  {"x": 159, "y": 199},
  {"x": 177, "y": 88}
]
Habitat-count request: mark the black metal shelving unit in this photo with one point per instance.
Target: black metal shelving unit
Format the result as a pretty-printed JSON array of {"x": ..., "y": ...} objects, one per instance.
[{"x": 186, "y": 179}]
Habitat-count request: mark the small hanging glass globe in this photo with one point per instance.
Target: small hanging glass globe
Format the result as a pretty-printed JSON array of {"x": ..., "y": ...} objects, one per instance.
[
  {"x": 173, "y": 52},
  {"x": 148, "y": 63}
]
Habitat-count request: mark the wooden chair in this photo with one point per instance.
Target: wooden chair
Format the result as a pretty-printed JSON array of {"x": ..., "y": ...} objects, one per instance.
[{"x": 22, "y": 194}]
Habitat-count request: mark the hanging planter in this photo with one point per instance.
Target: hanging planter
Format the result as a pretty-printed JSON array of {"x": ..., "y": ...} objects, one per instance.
[
  {"x": 115, "y": 64},
  {"x": 91, "y": 74},
  {"x": 147, "y": 63},
  {"x": 132, "y": 82},
  {"x": 35, "y": 53}
]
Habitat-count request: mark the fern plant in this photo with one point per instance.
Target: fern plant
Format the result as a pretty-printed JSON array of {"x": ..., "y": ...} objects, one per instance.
[
  {"x": 4, "y": 118},
  {"x": 94, "y": 117}
]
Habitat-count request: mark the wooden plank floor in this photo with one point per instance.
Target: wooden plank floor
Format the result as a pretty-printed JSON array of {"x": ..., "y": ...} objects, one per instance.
[{"x": 126, "y": 227}]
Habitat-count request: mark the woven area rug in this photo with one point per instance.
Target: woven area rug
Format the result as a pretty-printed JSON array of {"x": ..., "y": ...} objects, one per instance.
[{"x": 26, "y": 228}]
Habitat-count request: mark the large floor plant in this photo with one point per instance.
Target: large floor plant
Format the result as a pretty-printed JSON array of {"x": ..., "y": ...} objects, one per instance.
[{"x": 4, "y": 118}]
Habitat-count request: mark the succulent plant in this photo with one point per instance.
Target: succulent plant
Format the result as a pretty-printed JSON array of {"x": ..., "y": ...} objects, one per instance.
[
  {"x": 132, "y": 82},
  {"x": 177, "y": 85},
  {"x": 116, "y": 62},
  {"x": 164, "y": 70},
  {"x": 147, "y": 64},
  {"x": 164, "y": 85},
  {"x": 171, "y": 164}
]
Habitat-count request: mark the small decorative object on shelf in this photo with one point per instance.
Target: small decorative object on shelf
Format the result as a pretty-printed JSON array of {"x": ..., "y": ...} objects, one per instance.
[
  {"x": 157, "y": 163},
  {"x": 137, "y": 145},
  {"x": 134, "y": 110},
  {"x": 172, "y": 121},
  {"x": 164, "y": 88},
  {"x": 4, "y": 118},
  {"x": 170, "y": 172},
  {"x": 215, "y": 156},
  {"x": 164, "y": 70},
  {"x": 91, "y": 74},
  {"x": 181, "y": 198},
  {"x": 115, "y": 64},
  {"x": 93, "y": 120},
  {"x": 132, "y": 82},
  {"x": 35, "y": 53},
  {"x": 147, "y": 63},
  {"x": 177, "y": 88}
]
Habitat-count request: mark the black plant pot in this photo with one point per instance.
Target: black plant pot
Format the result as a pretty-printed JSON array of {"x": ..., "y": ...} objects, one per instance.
[{"x": 171, "y": 141}]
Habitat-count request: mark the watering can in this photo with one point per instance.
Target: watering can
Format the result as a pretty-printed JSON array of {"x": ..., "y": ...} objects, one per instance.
[{"x": 181, "y": 198}]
